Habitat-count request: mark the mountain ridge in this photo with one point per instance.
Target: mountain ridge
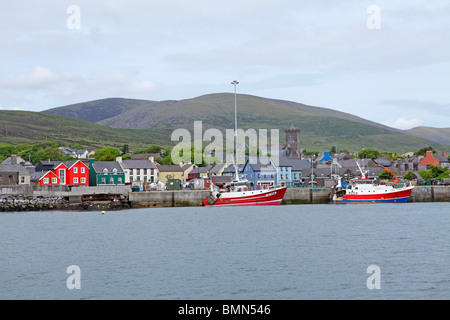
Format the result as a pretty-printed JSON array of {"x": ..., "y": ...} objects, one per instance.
[{"x": 321, "y": 128}]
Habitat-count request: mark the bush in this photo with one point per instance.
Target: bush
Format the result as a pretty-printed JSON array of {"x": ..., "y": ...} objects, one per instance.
[{"x": 409, "y": 175}]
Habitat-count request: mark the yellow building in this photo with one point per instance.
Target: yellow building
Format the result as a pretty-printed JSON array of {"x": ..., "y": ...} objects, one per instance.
[{"x": 170, "y": 172}]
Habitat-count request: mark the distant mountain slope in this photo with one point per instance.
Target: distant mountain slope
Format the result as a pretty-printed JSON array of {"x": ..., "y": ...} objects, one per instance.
[
  {"x": 98, "y": 110},
  {"x": 440, "y": 135},
  {"x": 31, "y": 127},
  {"x": 217, "y": 110},
  {"x": 321, "y": 128}
]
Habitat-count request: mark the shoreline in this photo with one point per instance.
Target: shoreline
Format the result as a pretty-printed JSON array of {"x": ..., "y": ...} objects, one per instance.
[{"x": 114, "y": 200}]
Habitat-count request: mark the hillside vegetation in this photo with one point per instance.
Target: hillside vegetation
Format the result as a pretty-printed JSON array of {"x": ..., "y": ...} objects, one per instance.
[
  {"x": 33, "y": 127},
  {"x": 321, "y": 128}
]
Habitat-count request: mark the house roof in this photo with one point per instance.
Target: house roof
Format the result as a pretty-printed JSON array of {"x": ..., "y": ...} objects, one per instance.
[
  {"x": 325, "y": 157},
  {"x": 296, "y": 164},
  {"x": 76, "y": 151},
  {"x": 50, "y": 165},
  {"x": 217, "y": 167},
  {"x": 99, "y": 166},
  {"x": 19, "y": 160},
  {"x": 230, "y": 168},
  {"x": 38, "y": 175},
  {"x": 145, "y": 156},
  {"x": 138, "y": 164},
  {"x": 352, "y": 163},
  {"x": 257, "y": 165},
  {"x": 14, "y": 168},
  {"x": 170, "y": 168},
  {"x": 187, "y": 166}
]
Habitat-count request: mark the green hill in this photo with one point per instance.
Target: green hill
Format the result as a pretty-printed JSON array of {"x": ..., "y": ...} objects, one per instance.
[
  {"x": 440, "y": 135},
  {"x": 31, "y": 127},
  {"x": 139, "y": 123},
  {"x": 321, "y": 128}
]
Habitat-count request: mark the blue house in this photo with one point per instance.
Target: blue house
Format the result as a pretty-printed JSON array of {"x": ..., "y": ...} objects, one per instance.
[
  {"x": 290, "y": 170},
  {"x": 325, "y": 157},
  {"x": 260, "y": 171}
]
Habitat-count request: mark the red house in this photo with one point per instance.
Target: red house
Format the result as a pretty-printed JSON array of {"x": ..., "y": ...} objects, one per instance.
[
  {"x": 73, "y": 173},
  {"x": 44, "y": 178},
  {"x": 429, "y": 159},
  {"x": 77, "y": 173}
]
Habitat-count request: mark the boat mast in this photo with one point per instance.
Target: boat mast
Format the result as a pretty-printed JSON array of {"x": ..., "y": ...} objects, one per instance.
[
  {"x": 235, "y": 82},
  {"x": 363, "y": 174}
]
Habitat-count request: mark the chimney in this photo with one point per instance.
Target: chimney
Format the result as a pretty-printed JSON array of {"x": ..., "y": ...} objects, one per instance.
[
  {"x": 429, "y": 154},
  {"x": 13, "y": 159},
  {"x": 444, "y": 154}
]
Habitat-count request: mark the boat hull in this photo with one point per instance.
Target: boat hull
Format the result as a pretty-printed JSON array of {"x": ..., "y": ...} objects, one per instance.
[
  {"x": 249, "y": 198},
  {"x": 390, "y": 197}
]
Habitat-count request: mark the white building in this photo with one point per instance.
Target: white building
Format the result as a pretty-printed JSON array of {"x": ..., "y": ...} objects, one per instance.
[{"x": 138, "y": 170}]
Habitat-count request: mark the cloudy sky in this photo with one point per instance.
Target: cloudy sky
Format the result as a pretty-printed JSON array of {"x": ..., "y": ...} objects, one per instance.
[{"x": 384, "y": 60}]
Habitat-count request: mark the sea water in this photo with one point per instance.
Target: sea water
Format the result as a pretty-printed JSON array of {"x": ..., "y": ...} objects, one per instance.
[{"x": 346, "y": 251}]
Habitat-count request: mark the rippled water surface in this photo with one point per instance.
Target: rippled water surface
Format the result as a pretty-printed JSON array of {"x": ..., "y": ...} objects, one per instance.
[{"x": 280, "y": 252}]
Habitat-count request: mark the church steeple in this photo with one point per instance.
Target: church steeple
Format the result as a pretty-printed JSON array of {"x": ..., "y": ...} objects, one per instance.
[{"x": 293, "y": 142}]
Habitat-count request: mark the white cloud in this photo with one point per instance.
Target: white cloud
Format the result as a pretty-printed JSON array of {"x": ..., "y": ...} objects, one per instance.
[
  {"x": 142, "y": 86},
  {"x": 39, "y": 77},
  {"x": 403, "y": 124}
]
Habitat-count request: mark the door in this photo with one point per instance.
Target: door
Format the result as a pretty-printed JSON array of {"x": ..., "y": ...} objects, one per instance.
[{"x": 62, "y": 176}]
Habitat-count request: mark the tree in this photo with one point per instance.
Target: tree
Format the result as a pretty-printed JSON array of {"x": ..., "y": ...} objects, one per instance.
[
  {"x": 368, "y": 154},
  {"x": 386, "y": 175},
  {"x": 423, "y": 151},
  {"x": 106, "y": 154},
  {"x": 333, "y": 149},
  {"x": 125, "y": 149},
  {"x": 151, "y": 149},
  {"x": 409, "y": 175},
  {"x": 426, "y": 175},
  {"x": 77, "y": 146}
]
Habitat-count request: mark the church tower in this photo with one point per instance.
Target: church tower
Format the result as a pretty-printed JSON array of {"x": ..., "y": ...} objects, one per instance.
[{"x": 292, "y": 146}]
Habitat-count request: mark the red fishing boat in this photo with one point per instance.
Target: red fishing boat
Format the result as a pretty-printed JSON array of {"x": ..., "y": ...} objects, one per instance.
[
  {"x": 239, "y": 193},
  {"x": 372, "y": 190}
]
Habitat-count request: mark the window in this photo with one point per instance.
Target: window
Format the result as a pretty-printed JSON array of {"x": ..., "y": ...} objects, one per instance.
[
  {"x": 103, "y": 180},
  {"x": 111, "y": 181},
  {"x": 83, "y": 180},
  {"x": 54, "y": 180},
  {"x": 75, "y": 180},
  {"x": 75, "y": 170},
  {"x": 119, "y": 180},
  {"x": 22, "y": 179},
  {"x": 45, "y": 180},
  {"x": 145, "y": 172},
  {"x": 83, "y": 169}
]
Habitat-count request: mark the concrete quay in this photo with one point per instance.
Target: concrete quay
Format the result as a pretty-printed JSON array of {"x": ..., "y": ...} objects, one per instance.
[{"x": 29, "y": 198}]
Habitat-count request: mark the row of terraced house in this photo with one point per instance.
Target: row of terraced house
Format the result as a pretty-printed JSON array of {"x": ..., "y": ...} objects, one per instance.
[{"x": 264, "y": 172}]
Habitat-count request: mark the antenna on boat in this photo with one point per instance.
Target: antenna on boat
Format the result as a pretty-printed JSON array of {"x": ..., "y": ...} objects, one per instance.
[{"x": 235, "y": 83}]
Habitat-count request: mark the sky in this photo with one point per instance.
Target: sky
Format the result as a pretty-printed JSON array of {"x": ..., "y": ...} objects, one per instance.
[{"x": 385, "y": 61}]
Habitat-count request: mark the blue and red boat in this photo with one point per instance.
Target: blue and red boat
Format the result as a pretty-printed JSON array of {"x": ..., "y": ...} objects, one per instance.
[{"x": 372, "y": 190}]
